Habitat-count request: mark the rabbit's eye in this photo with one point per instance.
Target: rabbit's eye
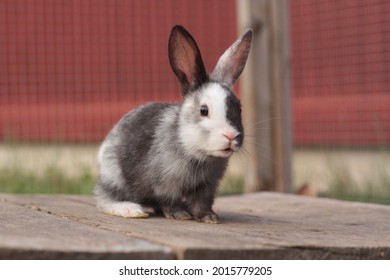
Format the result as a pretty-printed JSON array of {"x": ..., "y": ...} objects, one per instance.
[{"x": 204, "y": 110}]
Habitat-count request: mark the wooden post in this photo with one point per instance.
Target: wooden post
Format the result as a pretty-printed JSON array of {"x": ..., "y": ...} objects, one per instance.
[{"x": 265, "y": 89}]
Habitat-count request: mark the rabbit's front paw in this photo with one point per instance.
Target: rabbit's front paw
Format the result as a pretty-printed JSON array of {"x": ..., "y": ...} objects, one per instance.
[
  {"x": 209, "y": 218},
  {"x": 177, "y": 214}
]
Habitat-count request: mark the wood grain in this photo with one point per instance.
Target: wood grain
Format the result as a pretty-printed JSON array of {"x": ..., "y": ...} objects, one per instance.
[
  {"x": 253, "y": 226},
  {"x": 31, "y": 233}
]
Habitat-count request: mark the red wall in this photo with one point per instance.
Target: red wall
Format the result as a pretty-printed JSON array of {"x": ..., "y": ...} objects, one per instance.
[
  {"x": 340, "y": 72},
  {"x": 70, "y": 69}
]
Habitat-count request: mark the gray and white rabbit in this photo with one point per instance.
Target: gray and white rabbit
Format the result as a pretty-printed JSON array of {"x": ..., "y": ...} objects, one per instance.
[{"x": 171, "y": 157}]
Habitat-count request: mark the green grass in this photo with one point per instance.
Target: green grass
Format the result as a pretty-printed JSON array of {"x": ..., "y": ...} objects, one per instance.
[
  {"x": 55, "y": 181},
  {"x": 52, "y": 181},
  {"x": 373, "y": 189},
  {"x": 231, "y": 185}
]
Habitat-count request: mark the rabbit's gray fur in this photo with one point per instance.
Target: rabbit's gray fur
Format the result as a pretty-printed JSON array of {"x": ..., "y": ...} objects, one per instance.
[{"x": 158, "y": 154}]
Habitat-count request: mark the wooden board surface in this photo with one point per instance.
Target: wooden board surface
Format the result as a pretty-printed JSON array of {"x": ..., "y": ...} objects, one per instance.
[
  {"x": 28, "y": 233},
  {"x": 253, "y": 226}
]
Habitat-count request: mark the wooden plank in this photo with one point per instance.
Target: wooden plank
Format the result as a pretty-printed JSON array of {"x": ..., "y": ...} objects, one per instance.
[
  {"x": 265, "y": 89},
  {"x": 28, "y": 233},
  {"x": 281, "y": 103},
  {"x": 249, "y": 101},
  {"x": 253, "y": 226},
  {"x": 258, "y": 103}
]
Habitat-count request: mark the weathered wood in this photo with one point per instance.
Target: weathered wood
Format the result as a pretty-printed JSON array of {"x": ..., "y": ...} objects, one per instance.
[
  {"x": 281, "y": 103},
  {"x": 253, "y": 226},
  {"x": 27, "y": 232},
  {"x": 265, "y": 89},
  {"x": 249, "y": 101}
]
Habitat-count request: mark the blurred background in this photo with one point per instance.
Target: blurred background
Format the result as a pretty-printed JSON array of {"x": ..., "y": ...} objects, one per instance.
[{"x": 316, "y": 91}]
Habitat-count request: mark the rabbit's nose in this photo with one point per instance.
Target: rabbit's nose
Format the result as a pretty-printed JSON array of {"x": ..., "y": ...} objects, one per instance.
[{"x": 231, "y": 136}]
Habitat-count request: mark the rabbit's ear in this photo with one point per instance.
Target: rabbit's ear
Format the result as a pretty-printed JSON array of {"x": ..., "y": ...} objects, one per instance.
[
  {"x": 232, "y": 62},
  {"x": 185, "y": 59}
]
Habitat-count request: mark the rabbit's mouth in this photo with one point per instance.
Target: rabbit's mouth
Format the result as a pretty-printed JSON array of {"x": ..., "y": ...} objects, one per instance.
[{"x": 227, "y": 152}]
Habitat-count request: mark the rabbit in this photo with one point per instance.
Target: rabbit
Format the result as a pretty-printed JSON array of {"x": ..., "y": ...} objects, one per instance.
[{"x": 171, "y": 157}]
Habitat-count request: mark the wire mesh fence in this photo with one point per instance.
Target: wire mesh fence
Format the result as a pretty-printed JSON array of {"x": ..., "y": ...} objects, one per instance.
[
  {"x": 70, "y": 69},
  {"x": 341, "y": 82},
  {"x": 341, "y": 96}
]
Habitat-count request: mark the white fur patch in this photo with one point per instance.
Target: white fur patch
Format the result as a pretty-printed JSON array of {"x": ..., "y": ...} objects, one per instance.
[
  {"x": 170, "y": 165},
  {"x": 193, "y": 135},
  {"x": 122, "y": 209},
  {"x": 110, "y": 170}
]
